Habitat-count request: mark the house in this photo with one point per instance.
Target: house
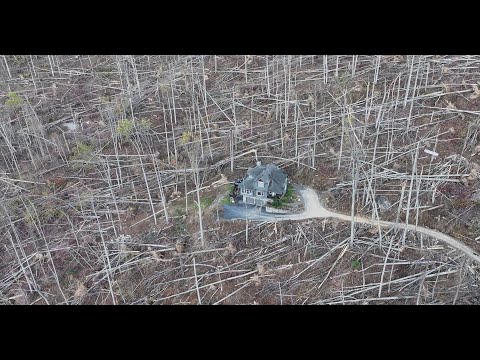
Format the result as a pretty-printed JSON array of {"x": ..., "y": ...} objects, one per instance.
[{"x": 262, "y": 184}]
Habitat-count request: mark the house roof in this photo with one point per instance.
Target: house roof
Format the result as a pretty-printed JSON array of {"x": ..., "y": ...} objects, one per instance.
[{"x": 271, "y": 174}]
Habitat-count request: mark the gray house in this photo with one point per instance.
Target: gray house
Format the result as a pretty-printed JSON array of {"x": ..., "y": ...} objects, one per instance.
[{"x": 262, "y": 183}]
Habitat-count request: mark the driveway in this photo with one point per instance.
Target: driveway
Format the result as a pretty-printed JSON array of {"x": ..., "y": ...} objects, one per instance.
[{"x": 312, "y": 208}]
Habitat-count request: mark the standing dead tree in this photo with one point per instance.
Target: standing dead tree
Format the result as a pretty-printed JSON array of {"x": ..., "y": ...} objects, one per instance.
[{"x": 192, "y": 147}]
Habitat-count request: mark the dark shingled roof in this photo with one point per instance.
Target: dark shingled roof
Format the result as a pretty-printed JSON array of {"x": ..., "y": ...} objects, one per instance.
[{"x": 273, "y": 176}]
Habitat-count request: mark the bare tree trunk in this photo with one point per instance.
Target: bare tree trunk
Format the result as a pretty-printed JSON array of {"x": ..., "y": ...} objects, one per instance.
[{"x": 200, "y": 219}]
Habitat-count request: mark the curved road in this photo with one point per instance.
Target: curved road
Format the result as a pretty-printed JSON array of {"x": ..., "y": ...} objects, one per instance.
[{"x": 314, "y": 209}]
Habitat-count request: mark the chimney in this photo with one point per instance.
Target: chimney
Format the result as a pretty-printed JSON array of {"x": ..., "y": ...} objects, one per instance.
[{"x": 259, "y": 163}]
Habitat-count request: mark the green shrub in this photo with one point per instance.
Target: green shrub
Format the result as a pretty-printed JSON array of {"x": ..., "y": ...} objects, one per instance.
[
  {"x": 29, "y": 216},
  {"x": 44, "y": 214},
  {"x": 179, "y": 222},
  {"x": 50, "y": 213},
  {"x": 14, "y": 100},
  {"x": 285, "y": 199},
  {"x": 82, "y": 153},
  {"x": 105, "y": 99},
  {"x": 180, "y": 212},
  {"x": 187, "y": 137},
  {"x": 356, "y": 264},
  {"x": 277, "y": 203},
  {"x": 125, "y": 128},
  {"x": 288, "y": 197},
  {"x": 145, "y": 124},
  {"x": 82, "y": 150}
]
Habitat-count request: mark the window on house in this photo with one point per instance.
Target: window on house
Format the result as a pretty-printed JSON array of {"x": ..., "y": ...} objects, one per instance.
[
  {"x": 249, "y": 191},
  {"x": 260, "y": 183},
  {"x": 259, "y": 193},
  {"x": 242, "y": 191}
]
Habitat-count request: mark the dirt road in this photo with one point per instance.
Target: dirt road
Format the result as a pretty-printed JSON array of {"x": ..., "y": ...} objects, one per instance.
[{"x": 314, "y": 209}]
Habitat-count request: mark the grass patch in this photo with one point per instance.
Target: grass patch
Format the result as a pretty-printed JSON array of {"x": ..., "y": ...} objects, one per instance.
[
  {"x": 226, "y": 199},
  {"x": 206, "y": 202}
]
